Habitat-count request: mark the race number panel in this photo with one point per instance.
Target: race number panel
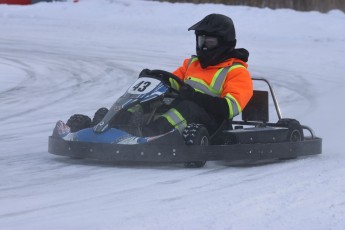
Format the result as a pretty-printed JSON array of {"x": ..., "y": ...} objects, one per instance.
[{"x": 143, "y": 85}]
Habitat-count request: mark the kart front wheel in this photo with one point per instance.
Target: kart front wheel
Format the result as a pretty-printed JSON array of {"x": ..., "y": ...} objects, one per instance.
[
  {"x": 78, "y": 122},
  {"x": 195, "y": 134}
]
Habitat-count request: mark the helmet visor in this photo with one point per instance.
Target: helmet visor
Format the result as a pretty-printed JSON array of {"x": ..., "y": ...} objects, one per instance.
[{"x": 207, "y": 42}]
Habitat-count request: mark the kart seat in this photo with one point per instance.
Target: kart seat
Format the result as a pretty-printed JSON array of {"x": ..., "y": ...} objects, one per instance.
[{"x": 257, "y": 108}]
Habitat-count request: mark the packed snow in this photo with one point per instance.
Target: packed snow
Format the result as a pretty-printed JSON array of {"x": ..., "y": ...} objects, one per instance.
[{"x": 57, "y": 59}]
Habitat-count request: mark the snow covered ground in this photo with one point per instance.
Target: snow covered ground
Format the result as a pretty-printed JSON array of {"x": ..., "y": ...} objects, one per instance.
[{"x": 64, "y": 58}]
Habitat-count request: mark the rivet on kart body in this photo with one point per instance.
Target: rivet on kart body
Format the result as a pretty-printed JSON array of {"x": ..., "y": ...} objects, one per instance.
[
  {"x": 159, "y": 154},
  {"x": 91, "y": 150},
  {"x": 274, "y": 138},
  {"x": 250, "y": 151},
  {"x": 117, "y": 151},
  {"x": 251, "y": 139},
  {"x": 142, "y": 153},
  {"x": 69, "y": 148}
]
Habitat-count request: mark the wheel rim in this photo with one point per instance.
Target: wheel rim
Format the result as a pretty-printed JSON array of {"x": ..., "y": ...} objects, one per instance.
[
  {"x": 295, "y": 136},
  {"x": 204, "y": 141}
]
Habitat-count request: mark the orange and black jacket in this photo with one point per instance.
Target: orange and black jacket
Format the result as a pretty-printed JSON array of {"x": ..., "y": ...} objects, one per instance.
[{"x": 223, "y": 90}]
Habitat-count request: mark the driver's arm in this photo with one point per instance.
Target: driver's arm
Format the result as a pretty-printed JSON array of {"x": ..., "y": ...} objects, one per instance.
[{"x": 180, "y": 72}]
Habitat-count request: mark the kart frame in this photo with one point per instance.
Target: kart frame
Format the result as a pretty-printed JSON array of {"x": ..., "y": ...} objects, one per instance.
[{"x": 255, "y": 140}]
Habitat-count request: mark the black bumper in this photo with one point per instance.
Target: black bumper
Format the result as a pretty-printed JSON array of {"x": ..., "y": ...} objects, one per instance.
[{"x": 182, "y": 153}]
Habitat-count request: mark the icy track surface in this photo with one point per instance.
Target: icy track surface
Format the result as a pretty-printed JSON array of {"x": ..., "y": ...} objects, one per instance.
[{"x": 64, "y": 58}]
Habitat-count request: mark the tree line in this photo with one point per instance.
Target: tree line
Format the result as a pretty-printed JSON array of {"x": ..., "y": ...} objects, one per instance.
[{"x": 300, "y": 5}]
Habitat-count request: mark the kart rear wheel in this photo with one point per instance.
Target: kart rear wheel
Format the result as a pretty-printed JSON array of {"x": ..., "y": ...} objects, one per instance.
[
  {"x": 295, "y": 135},
  {"x": 195, "y": 134},
  {"x": 295, "y": 132},
  {"x": 78, "y": 122}
]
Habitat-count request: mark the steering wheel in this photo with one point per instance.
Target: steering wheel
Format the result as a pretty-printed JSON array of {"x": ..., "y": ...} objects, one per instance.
[{"x": 165, "y": 75}]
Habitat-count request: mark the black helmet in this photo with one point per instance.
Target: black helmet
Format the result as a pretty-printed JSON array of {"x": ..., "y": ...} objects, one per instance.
[
  {"x": 215, "y": 50},
  {"x": 216, "y": 25}
]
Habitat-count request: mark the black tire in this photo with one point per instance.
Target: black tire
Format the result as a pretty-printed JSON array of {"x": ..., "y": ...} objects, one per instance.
[
  {"x": 295, "y": 132},
  {"x": 78, "y": 122},
  {"x": 99, "y": 115},
  {"x": 195, "y": 134}
]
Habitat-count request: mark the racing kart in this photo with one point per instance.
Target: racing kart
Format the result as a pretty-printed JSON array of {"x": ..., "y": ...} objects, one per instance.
[{"x": 250, "y": 140}]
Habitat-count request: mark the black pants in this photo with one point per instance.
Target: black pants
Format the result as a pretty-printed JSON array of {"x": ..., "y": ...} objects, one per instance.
[{"x": 182, "y": 113}]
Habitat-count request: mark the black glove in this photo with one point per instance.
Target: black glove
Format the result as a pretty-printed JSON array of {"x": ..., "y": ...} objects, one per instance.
[
  {"x": 216, "y": 106},
  {"x": 187, "y": 92},
  {"x": 145, "y": 72}
]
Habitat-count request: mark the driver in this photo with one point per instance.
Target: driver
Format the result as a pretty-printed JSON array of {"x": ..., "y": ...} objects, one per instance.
[{"x": 218, "y": 84}]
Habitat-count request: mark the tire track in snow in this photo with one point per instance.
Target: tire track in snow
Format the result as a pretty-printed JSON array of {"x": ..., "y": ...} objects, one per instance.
[
  {"x": 287, "y": 86},
  {"x": 55, "y": 83}
]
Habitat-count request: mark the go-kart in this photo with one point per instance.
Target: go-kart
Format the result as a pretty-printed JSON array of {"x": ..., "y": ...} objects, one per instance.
[{"x": 252, "y": 139}]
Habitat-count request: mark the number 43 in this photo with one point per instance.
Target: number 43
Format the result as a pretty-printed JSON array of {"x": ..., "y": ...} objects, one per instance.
[{"x": 141, "y": 86}]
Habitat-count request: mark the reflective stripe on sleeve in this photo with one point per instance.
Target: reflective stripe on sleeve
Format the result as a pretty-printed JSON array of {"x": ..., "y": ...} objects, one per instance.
[
  {"x": 234, "y": 107},
  {"x": 174, "y": 84}
]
